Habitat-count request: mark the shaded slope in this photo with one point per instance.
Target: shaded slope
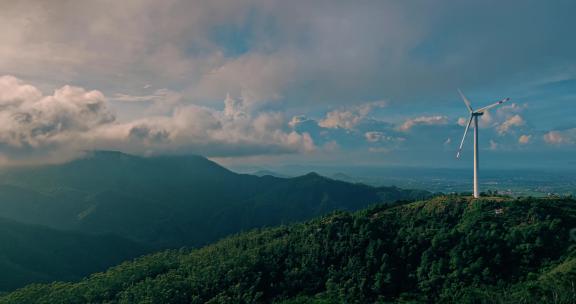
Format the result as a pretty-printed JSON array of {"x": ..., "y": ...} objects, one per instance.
[
  {"x": 38, "y": 254},
  {"x": 448, "y": 250},
  {"x": 29, "y": 206}
]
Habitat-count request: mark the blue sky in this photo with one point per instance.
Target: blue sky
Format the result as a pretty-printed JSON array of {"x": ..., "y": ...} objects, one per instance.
[{"x": 288, "y": 82}]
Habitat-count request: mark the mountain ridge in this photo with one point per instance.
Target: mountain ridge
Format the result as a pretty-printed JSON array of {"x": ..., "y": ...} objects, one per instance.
[{"x": 172, "y": 201}]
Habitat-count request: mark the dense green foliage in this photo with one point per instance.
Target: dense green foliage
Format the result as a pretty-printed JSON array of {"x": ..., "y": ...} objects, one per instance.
[
  {"x": 172, "y": 201},
  {"x": 38, "y": 254},
  {"x": 446, "y": 250}
]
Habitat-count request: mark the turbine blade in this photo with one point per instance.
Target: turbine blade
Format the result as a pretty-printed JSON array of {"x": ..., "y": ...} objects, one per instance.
[
  {"x": 492, "y": 105},
  {"x": 464, "y": 137},
  {"x": 466, "y": 101}
]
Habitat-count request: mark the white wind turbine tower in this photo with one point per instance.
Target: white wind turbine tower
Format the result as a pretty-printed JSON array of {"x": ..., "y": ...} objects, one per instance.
[{"x": 474, "y": 117}]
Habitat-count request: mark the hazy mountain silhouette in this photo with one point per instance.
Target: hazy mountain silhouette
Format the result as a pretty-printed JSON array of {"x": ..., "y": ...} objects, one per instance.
[
  {"x": 270, "y": 173},
  {"x": 172, "y": 201}
]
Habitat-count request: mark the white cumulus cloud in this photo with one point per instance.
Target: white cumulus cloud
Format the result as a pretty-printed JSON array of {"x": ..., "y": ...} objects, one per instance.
[
  {"x": 423, "y": 120},
  {"x": 508, "y": 124},
  {"x": 74, "y": 119},
  {"x": 524, "y": 139},
  {"x": 561, "y": 137},
  {"x": 32, "y": 120},
  {"x": 348, "y": 118}
]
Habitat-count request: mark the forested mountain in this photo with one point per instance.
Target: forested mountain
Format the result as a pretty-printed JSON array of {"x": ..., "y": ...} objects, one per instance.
[
  {"x": 30, "y": 253},
  {"x": 171, "y": 201},
  {"x": 444, "y": 250}
]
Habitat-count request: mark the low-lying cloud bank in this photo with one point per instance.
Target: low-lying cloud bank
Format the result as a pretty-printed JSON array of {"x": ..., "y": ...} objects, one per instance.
[{"x": 72, "y": 119}]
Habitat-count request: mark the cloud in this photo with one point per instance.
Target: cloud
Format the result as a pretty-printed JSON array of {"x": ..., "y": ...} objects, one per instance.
[
  {"x": 514, "y": 107},
  {"x": 148, "y": 134},
  {"x": 554, "y": 137},
  {"x": 423, "y": 120},
  {"x": 303, "y": 51},
  {"x": 297, "y": 120},
  {"x": 524, "y": 139},
  {"x": 234, "y": 108},
  {"x": 161, "y": 95},
  {"x": 73, "y": 119},
  {"x": 341, "y": 119},
  {"x": 230, "y": 132},
  {"x": 508, "y": 124},
  {"x": 14, "y": 91},
  {"x": 256, "y": 78},
  {"x": 33, "y": 121},
  {"x": 561, "y": 137},
  {"x": 161, "y": 100},
  {"x": 348, "y": 118},
  {"x": 375, "y": 136}
]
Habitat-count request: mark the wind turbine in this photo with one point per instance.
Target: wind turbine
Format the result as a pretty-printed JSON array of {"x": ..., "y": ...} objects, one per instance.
[{"x": 474, "y": 117}]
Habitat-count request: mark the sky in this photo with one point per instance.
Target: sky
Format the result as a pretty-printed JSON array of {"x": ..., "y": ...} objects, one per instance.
[{"x": 260, "y": 82}]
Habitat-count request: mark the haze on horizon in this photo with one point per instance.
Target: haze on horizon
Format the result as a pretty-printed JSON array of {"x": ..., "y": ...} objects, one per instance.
[{"x": 254, "y": 82}]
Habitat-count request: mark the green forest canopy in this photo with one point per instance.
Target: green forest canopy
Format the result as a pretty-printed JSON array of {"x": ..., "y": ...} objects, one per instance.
[{"x": 447, "y": 249}]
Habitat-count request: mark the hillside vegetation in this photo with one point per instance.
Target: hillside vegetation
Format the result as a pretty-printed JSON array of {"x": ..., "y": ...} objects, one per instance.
[{"x": 444, "y": 250}]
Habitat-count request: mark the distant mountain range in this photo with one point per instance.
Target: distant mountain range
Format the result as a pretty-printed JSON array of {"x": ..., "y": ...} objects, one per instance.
[
  {"x": 270, "y": 173},
  {"x": 164, "y": 202},
  {"x": 344, "y": 177},
  {"x": 444, "y": 250},
  {"x": 173, "y": 200}
]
